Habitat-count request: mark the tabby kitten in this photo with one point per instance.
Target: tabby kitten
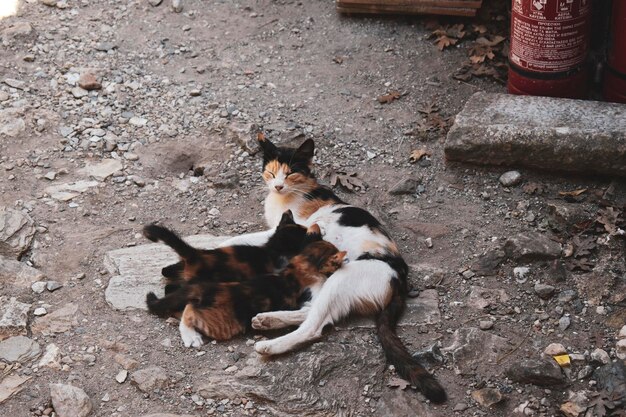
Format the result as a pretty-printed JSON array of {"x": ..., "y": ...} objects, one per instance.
[
  {"x": 221, "y": 310},
  {"x": 232, "y": 263}
]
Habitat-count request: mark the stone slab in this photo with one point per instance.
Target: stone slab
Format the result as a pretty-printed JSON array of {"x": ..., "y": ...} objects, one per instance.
[
  {"x": 137, "y": 270},
  {"x": 540, "y": 132},
  {"x": 18, "y": 273}
]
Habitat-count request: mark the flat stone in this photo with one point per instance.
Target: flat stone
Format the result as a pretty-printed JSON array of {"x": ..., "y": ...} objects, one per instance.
[
  {"x": 18, "y": 30},
  {"x": 566, "y": 296},
  {"x": 126, "y": 362},
  {"x": 38, "y": 287},
  {"x": 485, "y": 324},
  {"x": 554, "y": 349},
  {"x": 78, "y": 92},
  {"x": 67, "y": 191},
  {"x": 544, "y": 291},
  {"x": 11, "y": 122},
  {"x": 17, "y": 273},
  {"x": 475, "y": 351},
  {"x": 481, "y": 298},
  {"x": 149, "y": 379},
  {"x": 600, "y": 356},
  {"x": 531, "y": 247},
  {"x": 487, "y": 397},
  {"x": 543, "y": 372},
  {"x": 431, "y": 355},
  {"x": 404, "y": 186},
  {"x": 13, "y": 317},
  {"x": 70, "y": 401},
  {"x": 51, "y": 357},
  {"x": 102, "y": 170},
  {"x": 564, "y": 323},
  {"x": 137, "y": 270},
  {"x": 40, "y": 311},
  {"x": 89, "y": 81},
  {"x": 59, "y": 321},
  {"x": 11, "y": 82},
  {"x": 540, "y": 132},
  {"x": 53, "y": 285},
  {"x": 489, "y": 263},
  {"x": 17, "y": 230},
  {"x": 19, "y": 349},
  {"x": 510, "y": 178},
  {"x": 245, "y": 135},
  {"x": 121, "y": 376},
  {"x": 138, "y": 121},
  {"x": 11, "y": 385}
]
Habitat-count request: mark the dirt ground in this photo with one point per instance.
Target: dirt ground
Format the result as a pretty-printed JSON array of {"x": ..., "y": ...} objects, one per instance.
[{"x": 179, "y": 93}]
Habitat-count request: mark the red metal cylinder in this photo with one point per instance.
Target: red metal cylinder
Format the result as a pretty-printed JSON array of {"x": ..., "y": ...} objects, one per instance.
[
  {"x": 615, "y": 75},
  {"x": 549, "y": 48}
]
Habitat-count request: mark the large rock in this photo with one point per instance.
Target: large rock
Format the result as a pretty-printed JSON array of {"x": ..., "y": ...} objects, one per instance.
[
  {"x": 70, "y": 401},
  {"x": 149, "y": 379},
  {"x": 102, "y": 170},
  {"x": 544, "y": 372},
  {"x": 531, "y": 247},
  {"x": 59, "y": 321},
  {"x": 475, "y": 351},
  {"x": 540, "y": 132},
  {"x": 17, "y": 273},
  {"x": 19, "y": 349},
  {"x": 17, "y": 230},
  {"x": 67, "y": 191},
  {"x": 137, "y": 270},
  {"x": 11, "y": 385},
  {"x": 13, "y": 317},
  {"x": 311, "y": 382},
  {"x": 12, "y": 123}
]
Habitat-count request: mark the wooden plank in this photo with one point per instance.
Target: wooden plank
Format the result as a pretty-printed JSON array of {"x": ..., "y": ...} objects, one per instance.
[
  {"x": 435, "y": 3},
  {"x": 377, "y": 9}
]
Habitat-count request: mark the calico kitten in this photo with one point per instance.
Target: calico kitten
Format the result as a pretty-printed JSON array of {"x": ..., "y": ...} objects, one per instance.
[
  {"x": 221, "y": 310},
  {"x": 233, "y": 263}
]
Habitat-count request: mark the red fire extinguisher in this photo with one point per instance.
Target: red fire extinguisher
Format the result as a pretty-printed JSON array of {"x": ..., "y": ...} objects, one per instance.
[
  {"x": 615, "y": 75},
  {"x": 549, "y": 47}
]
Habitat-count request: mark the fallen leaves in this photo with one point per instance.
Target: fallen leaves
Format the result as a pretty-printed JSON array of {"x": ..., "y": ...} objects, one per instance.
[
  {"x": 417, "y": 154},
  {"x": 583, "y": 246},
  {"x": 483, "y": 49},
  {"x": 447, "y": 36},
  {"x": 395, "y": 382},
  {"x": 609, "y": 218},
  {"x": 390, "y": 97},
  {"x": 348, "y": 180}
]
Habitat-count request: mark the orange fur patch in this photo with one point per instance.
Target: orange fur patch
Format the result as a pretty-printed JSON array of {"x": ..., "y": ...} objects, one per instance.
[{"x": 217, "y": 322}]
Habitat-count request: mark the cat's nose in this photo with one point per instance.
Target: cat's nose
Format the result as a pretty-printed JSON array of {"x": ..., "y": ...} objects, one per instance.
[{"x": 279, "y": 187}]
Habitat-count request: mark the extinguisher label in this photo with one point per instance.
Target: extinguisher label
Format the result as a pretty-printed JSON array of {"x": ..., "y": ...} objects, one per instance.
[{"x": 549, "y": 35}]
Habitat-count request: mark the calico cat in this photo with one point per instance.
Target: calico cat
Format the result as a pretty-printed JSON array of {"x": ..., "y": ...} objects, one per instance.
[
  {"x": 374, "y": 282},
  {"x": 233, "y": 263},
  {"x": 221, "y": 310}
]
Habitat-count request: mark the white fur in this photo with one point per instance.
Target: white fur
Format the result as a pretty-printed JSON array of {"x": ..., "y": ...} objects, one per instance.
[
  {"x": 191, "y": 338},
  {"x": 364, "y": 281},
  {"x": 253, "y": 239}
]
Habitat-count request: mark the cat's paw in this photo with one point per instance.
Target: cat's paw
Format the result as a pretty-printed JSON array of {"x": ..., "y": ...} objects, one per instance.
[
  {"x": 264, "y": 347},
  {"x": 191, "y": 338},
  {"x": 264, "y": 321}
]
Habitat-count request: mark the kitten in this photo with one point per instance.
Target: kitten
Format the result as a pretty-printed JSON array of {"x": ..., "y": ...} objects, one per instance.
[
  {"x": 221, "y": 310},
  {"x": 374, "y": 282},
  {"x": 233, "y": 263}
]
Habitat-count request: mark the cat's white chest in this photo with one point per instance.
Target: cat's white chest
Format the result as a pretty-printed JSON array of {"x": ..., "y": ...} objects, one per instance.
[{"x": 275, "y": 205}]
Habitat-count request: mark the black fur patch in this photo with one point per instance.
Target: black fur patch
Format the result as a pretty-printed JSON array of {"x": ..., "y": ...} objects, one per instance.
[{"x": 358, "y": 217}]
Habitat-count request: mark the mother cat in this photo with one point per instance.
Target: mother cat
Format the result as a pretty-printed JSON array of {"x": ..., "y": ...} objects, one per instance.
[{"x": 373, "y": 282}]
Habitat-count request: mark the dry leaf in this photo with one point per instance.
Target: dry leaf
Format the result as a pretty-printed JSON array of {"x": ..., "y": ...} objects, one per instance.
[
  {"x": 388, "y": 98},
  {"x": 444, "y": 41},
  {"x": 338, "y": 60},
  {"x": 574, "y": 193},
  {"x": 349, "y": 181},
  {"x": 395, "y": 382},
  {"x": 532, "y": 188},
  {"x": 428, "y": 108},
  {"x": 418, "y": 154},
  {"x": 609, "y": 217},
  {"x": 481, "y": 29}
]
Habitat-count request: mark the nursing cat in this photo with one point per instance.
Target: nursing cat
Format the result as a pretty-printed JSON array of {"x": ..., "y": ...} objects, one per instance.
[
  {"x": 221, "y": 310},
  {"x": 373, "y": 282}
]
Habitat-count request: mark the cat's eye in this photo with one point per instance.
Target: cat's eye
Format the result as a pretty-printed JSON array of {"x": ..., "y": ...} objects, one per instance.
[{"x": 272, "y": 174}]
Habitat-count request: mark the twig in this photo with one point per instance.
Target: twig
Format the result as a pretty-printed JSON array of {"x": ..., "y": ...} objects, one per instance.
[{"x": 516, "y": 347}]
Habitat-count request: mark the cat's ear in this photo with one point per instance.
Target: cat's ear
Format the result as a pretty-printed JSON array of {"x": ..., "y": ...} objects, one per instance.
[
  {"x": 286, "y": 219},
  {"x": 339, "y": 257},
  {"x": 314, "y": 229},
  {"x": 305, "y": 151},
  {"x": 270, "y": 151}
]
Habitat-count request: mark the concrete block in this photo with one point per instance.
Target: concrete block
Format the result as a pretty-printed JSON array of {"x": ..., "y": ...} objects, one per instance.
[{"x": 540, "y": 132}]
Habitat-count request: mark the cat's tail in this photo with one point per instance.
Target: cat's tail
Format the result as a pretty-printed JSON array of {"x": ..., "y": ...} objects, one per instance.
[
  {"x": 397, "y": 354},
  {"x": 167, "y": 306},
  {"x": 157, "y": 233}
]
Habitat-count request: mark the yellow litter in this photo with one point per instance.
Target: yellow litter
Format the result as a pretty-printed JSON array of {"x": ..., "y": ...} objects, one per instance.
[{"x": 562, "y": 360}]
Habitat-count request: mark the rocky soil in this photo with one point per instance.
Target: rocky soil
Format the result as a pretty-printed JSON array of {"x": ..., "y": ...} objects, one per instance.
[{"x": 114, "y": 114}]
